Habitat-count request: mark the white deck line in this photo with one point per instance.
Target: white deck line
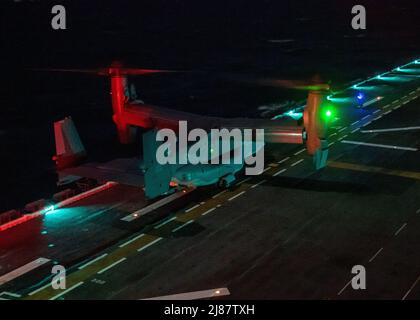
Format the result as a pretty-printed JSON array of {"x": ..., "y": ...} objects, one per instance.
[
  {"x": 22, "y": 270},
  {"x": 137, "y": 214},
  {"x": 379, "y": 145},
  {"x": 203, "y": 294}
]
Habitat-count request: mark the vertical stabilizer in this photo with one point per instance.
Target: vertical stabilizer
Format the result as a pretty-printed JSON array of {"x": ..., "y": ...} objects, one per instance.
[
  {"x": 69, "y": 148},
  {"x": 156, "y": 176}
]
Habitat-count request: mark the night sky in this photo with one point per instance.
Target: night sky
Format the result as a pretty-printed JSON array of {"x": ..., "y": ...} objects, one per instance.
[{"x": 101, "y": 30}]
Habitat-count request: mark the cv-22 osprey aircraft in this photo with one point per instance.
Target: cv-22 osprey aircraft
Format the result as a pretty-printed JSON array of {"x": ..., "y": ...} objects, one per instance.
[{"x": 129, "y": 114}]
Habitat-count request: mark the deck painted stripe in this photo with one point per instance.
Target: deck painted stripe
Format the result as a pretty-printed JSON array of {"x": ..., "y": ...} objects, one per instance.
[
  {"x": 368, "y": 103},
  {"x": 411, "y": 288},
  {"x": 400, "y": 229},
  {"x": 112, "y": 265},
  {"x": 22, "y": 270},
  {"x": 257, "y": 184},
  {"x": 299, "y": 152},
  {"x": 11, "y": 294},
  {"x": 341, "y": 138},
  {"x": 194, "y": 295},
  {"x": 279, "y": 172},
  {"x": 392, "y": 129},
  {"x": 92, "y": 261},
  {"x": 137, "y": 214},
  {"x": 164, "y": 223},
  {"x": 235, "y": 196},
  {"x": 344, "y": 288},
  {"x": 243, "y": 181},
  {"x": 218, "y": 194},
  {"x": 296, "y": 163},
  {"x": 39, "y": 289},
  {"x": 284, "y": 160},
  {"x": 376, "y": 254},
  {"x": 192, "y": 208},
  {"x": 67, "y": 291},
  {"x": 208, "y": 211},
  {"x": 132, "y": 240},
  {"x": 182, "y": 226},
  {"x": 149, "y": 244},
  {"x": 372, "y": 169},
  {"x": 378, "y": 145}
]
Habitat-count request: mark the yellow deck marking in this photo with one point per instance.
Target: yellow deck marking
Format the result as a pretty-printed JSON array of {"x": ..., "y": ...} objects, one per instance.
[
  {"x": 372, "y": 169},
  {"x": 130, "y": 248},
  {"x": 211, "y": 203},
  {"x": 90, "y": 270}
]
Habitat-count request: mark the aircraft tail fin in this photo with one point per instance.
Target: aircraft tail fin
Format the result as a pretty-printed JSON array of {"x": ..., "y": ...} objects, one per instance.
[
  {"x": 157, "y": 177},
  {"x": 69, "y": 148}
]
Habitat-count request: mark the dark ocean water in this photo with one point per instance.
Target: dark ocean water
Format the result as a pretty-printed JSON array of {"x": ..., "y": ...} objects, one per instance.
[{"x": 219, "y": 44}]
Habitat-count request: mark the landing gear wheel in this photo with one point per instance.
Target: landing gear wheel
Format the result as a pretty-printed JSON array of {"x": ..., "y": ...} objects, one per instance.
[{"x": 222, "y": 183}]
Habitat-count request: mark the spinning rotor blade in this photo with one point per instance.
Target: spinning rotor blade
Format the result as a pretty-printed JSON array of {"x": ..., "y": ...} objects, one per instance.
[
  {"x": 314, "y": 84},
  {"x": 141, "y": 72},
  {"x": 89, "y": 71},
  {"x": 113, "y": 70},
  {"x": 294, "y": 84}
]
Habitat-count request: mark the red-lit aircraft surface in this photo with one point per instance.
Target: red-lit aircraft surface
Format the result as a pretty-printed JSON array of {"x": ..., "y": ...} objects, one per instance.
[{"x": 130, "y": 114}]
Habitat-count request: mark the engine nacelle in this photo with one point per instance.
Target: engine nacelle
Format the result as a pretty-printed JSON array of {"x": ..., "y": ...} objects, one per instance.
[{"x": 316, "y": 129}]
